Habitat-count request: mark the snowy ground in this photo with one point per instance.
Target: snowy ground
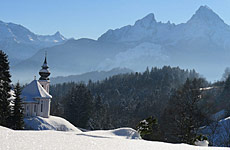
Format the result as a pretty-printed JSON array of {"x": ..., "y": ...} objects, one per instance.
[
  {"x": 119, "y": 139},
  {"x": 49, "y": 139}
]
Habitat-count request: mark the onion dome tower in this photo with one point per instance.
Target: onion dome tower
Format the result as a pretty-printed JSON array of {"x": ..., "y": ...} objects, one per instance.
[{"x": 44, "y": 75}]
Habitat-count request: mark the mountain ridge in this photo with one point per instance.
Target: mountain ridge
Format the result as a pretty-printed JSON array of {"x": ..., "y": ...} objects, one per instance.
[
  {"x": 192, "y": 45},
  {"x": 93, "y": 76}
]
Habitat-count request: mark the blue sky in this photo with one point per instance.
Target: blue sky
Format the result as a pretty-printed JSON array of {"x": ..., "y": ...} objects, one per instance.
[{"x": 91, "y": 18}]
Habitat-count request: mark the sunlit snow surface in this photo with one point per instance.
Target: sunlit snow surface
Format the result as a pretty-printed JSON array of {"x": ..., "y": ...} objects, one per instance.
[{"x": 94, "y": 140}]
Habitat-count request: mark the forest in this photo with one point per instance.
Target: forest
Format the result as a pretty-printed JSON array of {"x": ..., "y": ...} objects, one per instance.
[{"x": 176, "y": 99}]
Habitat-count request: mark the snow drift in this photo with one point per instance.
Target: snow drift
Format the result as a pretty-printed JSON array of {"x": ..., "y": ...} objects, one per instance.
[
  {"x": 51, "y": 123},
  {"x": 124, "y": 133}
]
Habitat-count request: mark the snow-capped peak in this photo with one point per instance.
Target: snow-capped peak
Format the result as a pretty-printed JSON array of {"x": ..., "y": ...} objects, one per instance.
[
  {"x": 23, "y": 35},
  {"x": 206, "y": 15}
]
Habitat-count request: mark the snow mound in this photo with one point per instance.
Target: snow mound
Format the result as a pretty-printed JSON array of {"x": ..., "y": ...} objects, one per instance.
[
  {"x": 124, "y": 133},
  {"x": 127, "y": 132},
  {"x": 51, "y": 123}
]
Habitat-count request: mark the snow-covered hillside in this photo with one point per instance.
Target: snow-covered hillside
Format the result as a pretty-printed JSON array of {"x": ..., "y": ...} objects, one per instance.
[
  {"x": 96, "y": 140},
  {"x": 51, "y": 123},
  {"x": 145, "y": 54}
]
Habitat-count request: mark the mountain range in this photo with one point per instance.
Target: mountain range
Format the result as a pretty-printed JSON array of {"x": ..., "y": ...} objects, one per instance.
[
  {"x": 202, "y": 43},
  {"x": 20, "y": 43}
]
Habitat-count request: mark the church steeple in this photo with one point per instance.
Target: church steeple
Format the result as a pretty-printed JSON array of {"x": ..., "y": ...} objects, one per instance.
[{"x": 44, "y": 72}]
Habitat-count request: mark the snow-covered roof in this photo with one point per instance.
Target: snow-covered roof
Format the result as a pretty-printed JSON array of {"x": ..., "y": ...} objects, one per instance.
[{"x": 33, "y": 91}]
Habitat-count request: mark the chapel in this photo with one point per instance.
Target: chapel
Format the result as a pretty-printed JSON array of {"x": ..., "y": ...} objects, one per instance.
[{"x": 35, "y": 96}]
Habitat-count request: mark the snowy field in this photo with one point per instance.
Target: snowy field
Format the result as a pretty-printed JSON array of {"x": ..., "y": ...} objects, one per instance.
[
  {"x": 119, "y": 139},
  {"x": 68, "y": 137}
]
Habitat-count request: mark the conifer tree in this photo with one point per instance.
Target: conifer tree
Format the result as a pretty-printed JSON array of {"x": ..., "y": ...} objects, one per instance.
[
  {"x": 17, "y": 114},
  {"x": 4, "y": 90},
  {"x": 149, "y": 129}
]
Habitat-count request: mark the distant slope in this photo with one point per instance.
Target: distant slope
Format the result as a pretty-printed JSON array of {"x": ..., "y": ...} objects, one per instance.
[
  {"x": 51, "y": 123},
  {"x": 94, "y": 76}
]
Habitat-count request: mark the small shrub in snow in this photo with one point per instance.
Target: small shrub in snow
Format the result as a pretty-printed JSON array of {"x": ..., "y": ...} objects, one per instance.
[{"x": 201, "y": 140}]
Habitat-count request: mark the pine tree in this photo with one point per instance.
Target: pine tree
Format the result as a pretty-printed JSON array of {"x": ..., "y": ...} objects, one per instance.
[
  {"x": 17, "y": 113},
  {"x": 4, "y": 90}
]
